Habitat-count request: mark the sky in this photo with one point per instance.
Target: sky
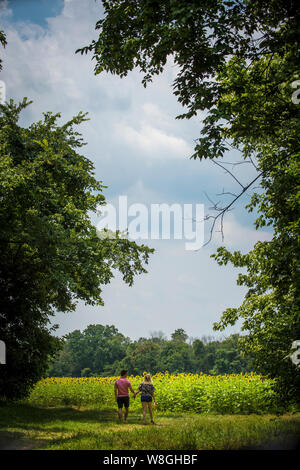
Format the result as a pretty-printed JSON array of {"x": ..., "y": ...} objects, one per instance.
[{"x": 139, "y": 150}]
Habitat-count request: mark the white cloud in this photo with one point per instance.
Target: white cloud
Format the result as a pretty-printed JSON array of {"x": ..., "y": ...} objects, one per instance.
[
  {"x": 5, "y": 11},
  {"x": 153, "y": 142},
  {"x": 241, "y": 237},
  {"x": 156, "y": 116}
]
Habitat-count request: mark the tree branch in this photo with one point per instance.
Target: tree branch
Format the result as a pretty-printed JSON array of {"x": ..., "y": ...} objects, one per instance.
[
  {"x": 222, "y": 210},
  {"x": 227, "y": 208},
  {"x": 227, "y": 171}
]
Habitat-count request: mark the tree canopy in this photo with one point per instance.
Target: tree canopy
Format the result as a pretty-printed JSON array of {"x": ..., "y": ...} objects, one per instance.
[
  {"x": 200, "y": 36},
  {"x": 104, "y": 351}
]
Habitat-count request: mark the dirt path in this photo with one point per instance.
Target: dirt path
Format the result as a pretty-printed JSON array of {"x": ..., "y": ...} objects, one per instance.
[{"x": 15, "y": 441}]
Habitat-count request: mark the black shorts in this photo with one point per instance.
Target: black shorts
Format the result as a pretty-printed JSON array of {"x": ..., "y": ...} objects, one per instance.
[
  {"x": 146, "y": 398},
  {"x": 123, "y": 401}
]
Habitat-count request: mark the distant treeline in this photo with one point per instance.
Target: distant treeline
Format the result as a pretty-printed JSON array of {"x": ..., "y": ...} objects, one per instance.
[{"x": 103, "y": 351}]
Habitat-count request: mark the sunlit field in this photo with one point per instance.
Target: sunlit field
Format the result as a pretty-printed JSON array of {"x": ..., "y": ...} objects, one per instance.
[
  {"x": 230, "y": 394},
  {"x": 193, "y": 412}
]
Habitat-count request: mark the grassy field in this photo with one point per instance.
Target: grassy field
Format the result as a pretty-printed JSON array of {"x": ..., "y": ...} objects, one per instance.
[
  {"x": 27, "y": 426},
  {"x": 194, "y": 412}
]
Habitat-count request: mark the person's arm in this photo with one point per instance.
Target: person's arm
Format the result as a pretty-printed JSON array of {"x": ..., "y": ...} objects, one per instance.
[
  {"x": 131, "y": 389},
  {"x": 116, "y": 391},
  {"x": 138, "y": 391}
]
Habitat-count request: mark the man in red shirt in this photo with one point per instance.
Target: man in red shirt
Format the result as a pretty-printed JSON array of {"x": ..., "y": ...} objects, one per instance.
[{"x": 122, "y": 395}]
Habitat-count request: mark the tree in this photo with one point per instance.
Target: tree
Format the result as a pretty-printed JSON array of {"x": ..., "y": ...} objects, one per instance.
[
  {"x": 238, "y": 61},
  {"x": 228, "y": 359},
  {"x": 176, "y": 357},
  {"x": 50, "y": 254},
  {"x": 142, "y": 355},
  {"x": 271, "y": 306},
  {"x": 82, "y": 350},
  {"x": 198, "y": 347},
  {"x": 63, "y": 365},
  {"x": 95, "y": 350},
  {"x": 179, "y": 335},
  {"x": 86, "y": 372},
  {"x": 158, "y": 337}
]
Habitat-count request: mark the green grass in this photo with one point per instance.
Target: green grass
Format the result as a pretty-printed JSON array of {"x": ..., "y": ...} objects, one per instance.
[{"x": 26, "y": 426}]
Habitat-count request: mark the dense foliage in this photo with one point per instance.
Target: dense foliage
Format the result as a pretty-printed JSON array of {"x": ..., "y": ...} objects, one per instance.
[
  {"x": 238, "y": 61},
  {"x": 50, "y": 253},
  {"x": 103, "y": 350},
  {"x": 271, "y": 307}
]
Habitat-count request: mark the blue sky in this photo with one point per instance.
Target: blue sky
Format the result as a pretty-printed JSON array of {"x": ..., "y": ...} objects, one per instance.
[
  {"x": 139, "y": 150},
  {"x": 35, "y": 11}
]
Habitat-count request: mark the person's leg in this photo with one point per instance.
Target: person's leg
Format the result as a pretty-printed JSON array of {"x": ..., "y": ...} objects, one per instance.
[
  {"x": 126, "y": 414},
  {"x": 126, "y": 407},
  {"x": 150, "y": 411},
  {"x": 144, "y": 411},
  {"x": 120, "y": 413}
]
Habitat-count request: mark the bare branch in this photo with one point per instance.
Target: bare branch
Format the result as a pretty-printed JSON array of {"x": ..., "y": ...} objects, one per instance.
[
  {"x": 224, "y": 193},
  {"x": 229, "y": 207},
  {"x": 227, "y": 171},
  {"x": 235, "y": 163}
]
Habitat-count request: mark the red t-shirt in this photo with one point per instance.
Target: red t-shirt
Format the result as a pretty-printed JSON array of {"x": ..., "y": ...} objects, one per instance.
[{"x": 123, "y": 385}]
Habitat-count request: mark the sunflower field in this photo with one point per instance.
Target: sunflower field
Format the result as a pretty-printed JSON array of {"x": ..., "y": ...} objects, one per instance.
[{"x": 226, "y": 394}]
